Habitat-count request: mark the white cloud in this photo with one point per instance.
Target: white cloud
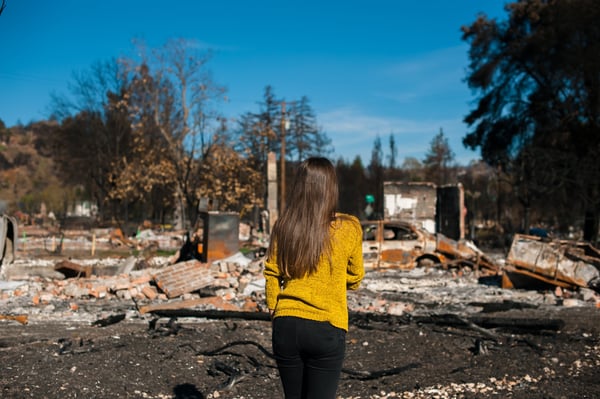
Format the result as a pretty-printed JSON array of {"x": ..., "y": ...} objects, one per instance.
[
  {"x": 445, "y": 59},
  {"x": 353, "y": 133},
  {"x": 424, "y": 75},
  {"x": 352, "y": 120}
]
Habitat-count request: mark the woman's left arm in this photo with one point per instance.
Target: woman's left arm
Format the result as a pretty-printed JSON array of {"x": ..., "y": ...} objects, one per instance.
[
  {"x": 272, "y": 286},
  {"x": 355, "y": 270}
]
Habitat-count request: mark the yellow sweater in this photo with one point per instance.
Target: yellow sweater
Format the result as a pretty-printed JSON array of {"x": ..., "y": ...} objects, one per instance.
[{"x": 321, "y": 296}]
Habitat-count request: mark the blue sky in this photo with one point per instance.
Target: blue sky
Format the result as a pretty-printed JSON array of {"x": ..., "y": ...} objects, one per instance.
[{"x": 370, "y": 68}]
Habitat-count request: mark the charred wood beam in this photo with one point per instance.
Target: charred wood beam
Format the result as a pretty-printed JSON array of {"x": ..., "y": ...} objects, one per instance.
[
  {"x": 475, "y": 327},
  {"x": 511, "y": 323},
  {"x": 233, "y": 373},
  {"x": 113, "y": 319},
  {"x": 489, "y": 307},
  {"x": 480, "y": 324},
  {"x": 477, "y": 323},
  {"x": 363, "y": 319},
  {"x": 536, "y": 348},
  {"x": 373, "y": 375},
  {"x": 211, "y": 314},
  {"x": 354, "y": 317},
  {"x": 516, "y": 323},
  {"x": 236, "y": 343}
]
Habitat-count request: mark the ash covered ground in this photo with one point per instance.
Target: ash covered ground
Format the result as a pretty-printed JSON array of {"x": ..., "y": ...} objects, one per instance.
[
  {"x": 231, "y": 359},
  {"x": 424, "y": 333}
]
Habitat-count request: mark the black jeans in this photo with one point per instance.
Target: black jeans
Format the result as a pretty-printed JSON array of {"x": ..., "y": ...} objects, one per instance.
[{"x": 309, "y": 357}]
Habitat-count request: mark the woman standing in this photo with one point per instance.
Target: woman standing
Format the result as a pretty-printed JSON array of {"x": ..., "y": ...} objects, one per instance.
[{"x": 315, "y": 255}]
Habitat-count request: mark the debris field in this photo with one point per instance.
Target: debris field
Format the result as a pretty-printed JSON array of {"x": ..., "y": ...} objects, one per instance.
[{"x": 106, "y": 320}]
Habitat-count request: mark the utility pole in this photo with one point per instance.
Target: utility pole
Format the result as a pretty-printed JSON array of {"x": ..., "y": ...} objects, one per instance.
[
  {"x": 272, "y": 190},
  {"x": 282, "y": 158}
]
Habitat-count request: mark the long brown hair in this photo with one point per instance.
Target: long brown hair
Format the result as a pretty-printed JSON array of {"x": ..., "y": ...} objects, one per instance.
[{"x": 301, "y": 233}]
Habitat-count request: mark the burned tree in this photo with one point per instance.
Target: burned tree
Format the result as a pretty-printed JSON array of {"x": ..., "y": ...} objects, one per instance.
[
  {"x": 537, "y": 74},
  {"x": 172, "y": 103},
  {"x": 94, "y": 132},
  {"x": 438, "y": 160},
  {"x": 257, "y": 136}
]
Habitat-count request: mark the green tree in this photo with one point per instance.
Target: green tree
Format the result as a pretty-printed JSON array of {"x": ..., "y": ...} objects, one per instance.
[
  {"x": 252, "y": 145},
  {"x": 257, "y": 135},
  {"x": 304, "y": 136},
  {"x": 537, "y": 75},
  {"x": 261, "y": 133},
  {"x": 376, "y": 176}
]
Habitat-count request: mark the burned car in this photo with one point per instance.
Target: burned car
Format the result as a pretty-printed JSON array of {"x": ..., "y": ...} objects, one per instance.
[
  {"x": 404, "y": 245},
  {"x": 537, "y": 262}
]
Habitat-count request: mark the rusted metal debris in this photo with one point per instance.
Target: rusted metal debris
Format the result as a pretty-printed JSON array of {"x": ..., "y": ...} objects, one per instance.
[
  {"x": 532, "y": 262},
  {"x": 560, "y": 263},
  {"x": 224, "y": 285},
  {"x": 403, "y": 245},
  {"x": 21, "y": 318},
  {"x": 117, "y": 238},
  {"x": 71, "y": 269}
]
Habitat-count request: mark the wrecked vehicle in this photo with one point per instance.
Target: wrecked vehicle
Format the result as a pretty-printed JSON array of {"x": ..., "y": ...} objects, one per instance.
[
  {"x": 8, "y": 239},
  {"x": 537, "y": 261},
  {"x": 403, "y": 245}
]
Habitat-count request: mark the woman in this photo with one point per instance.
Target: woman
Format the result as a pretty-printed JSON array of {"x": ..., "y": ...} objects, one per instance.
[{"x": 314, "y": 256}]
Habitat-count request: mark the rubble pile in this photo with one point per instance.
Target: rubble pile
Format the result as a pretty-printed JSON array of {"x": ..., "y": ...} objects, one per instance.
[
  {"x": 145, "y": 282},
  {"x": 461, "y": 317},
  {"x": 77, "y": 290},
  {"x": 42, "y": 287}
]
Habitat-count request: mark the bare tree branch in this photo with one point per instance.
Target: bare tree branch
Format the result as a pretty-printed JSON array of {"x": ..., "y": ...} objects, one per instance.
[{"x": 3, "y": 6}]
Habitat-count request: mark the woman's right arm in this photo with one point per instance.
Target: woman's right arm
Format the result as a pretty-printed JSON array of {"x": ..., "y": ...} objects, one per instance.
[{"x": 355, "y": 270}]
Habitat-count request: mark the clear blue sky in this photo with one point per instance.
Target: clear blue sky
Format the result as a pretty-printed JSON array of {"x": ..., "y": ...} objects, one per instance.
[{"x": 370, "y": 68}]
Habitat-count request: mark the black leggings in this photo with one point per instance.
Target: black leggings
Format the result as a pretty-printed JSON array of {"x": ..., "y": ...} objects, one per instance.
[{"x": 309, "y": 357}]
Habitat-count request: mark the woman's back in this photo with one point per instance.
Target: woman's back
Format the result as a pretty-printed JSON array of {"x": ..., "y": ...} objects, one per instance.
[{"x": 321, "y": 295}]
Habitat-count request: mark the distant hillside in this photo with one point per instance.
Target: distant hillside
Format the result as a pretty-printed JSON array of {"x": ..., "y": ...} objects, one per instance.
[{"x": 27, "y": 173}]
